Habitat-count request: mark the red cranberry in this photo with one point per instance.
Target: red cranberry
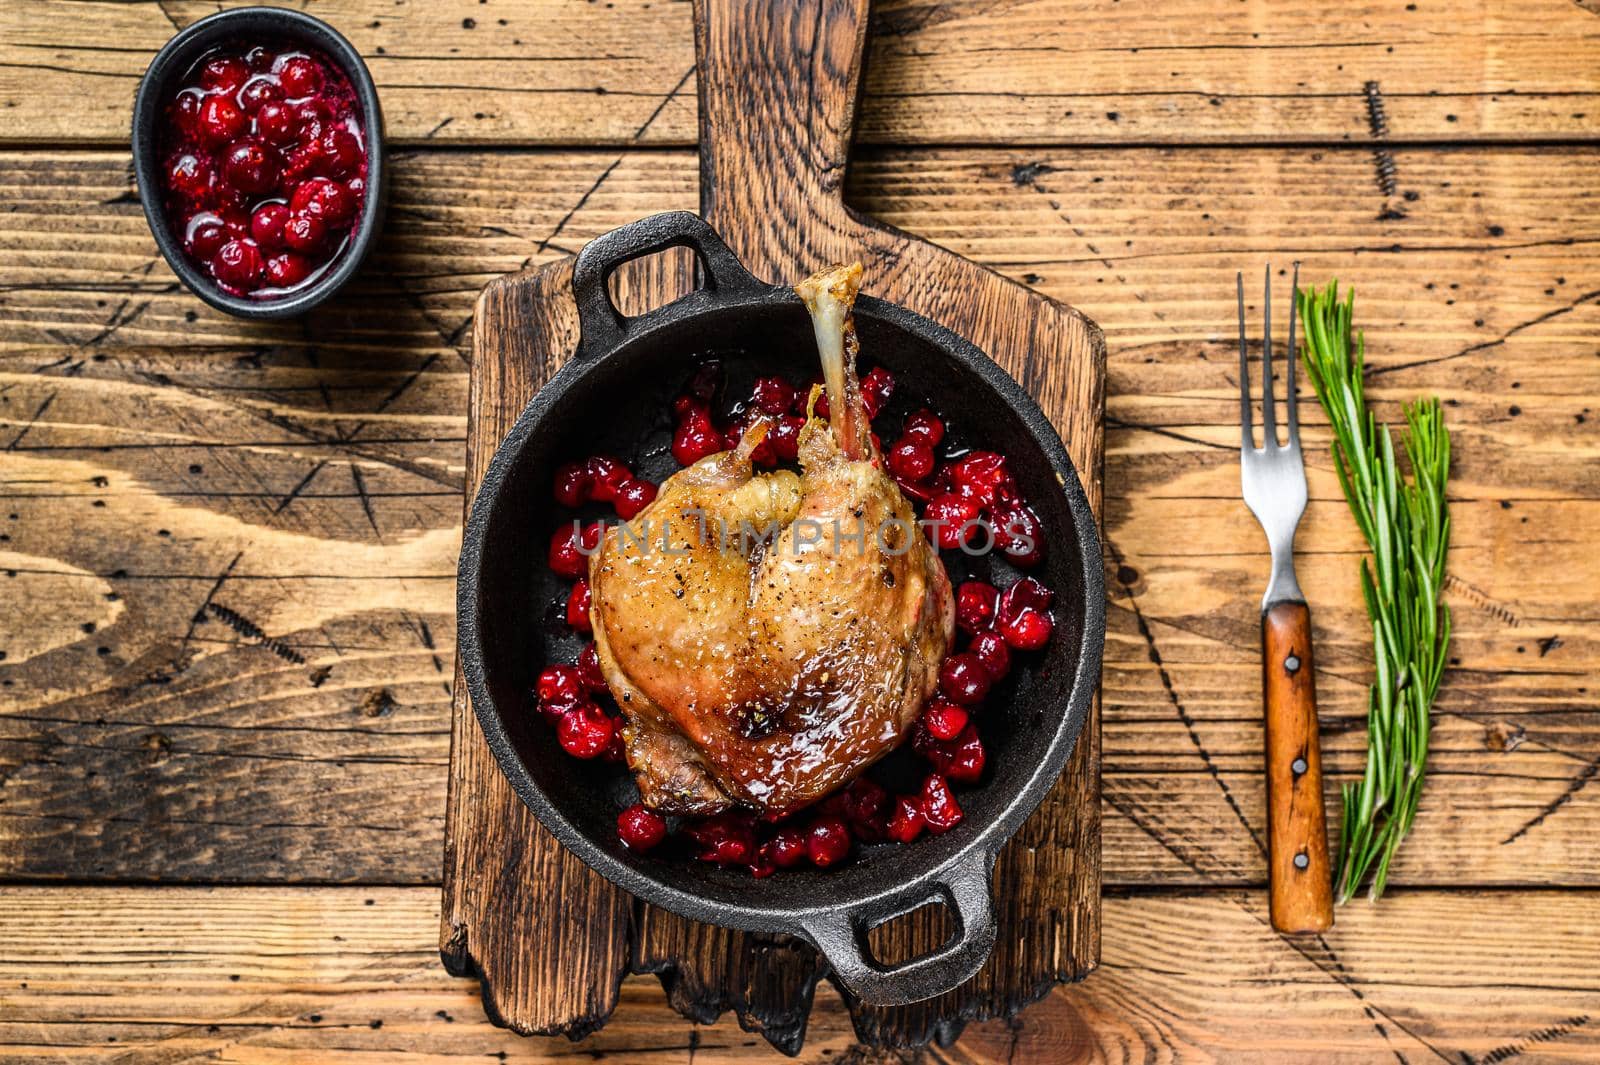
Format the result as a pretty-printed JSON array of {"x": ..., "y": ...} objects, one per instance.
[
  {"x": 311, "y": 116},
  {"x": 220, "y": 120},
  {"x": 186, "y": 109},
  {"x": 324, "y": 198},
  {"x": 866, "y": 805},
  {"x": 925, "y": 425},
  {"x": 205, "y": 236},
  {"x": 937, "y": 753},
  {"x": 993, "y": 652},
  {"x": 565, "y": 557},
  {"x": 695, "y": 438},
  {"x": 641, "y": 828},
  {"x": 235, "y": 219},
  {"x": 786, "y": 849},
  {"x": 968, "y": 758},
  {"x": 266, "y": 224},
  {"x": 911, "y": 460},
  {"x": 772, "y": 395},
  {"x": 341, "y": 152},
  {"x": 560, "y": 685},
  {"x": 785, "y": 437},
  {"x": 827, "y": 842},
  {"x": 1028, "y": 630},
  {"x": 939, "y": 807},
  {"x": 191, "y": 177},
  {"x": 299, "y": 163},
  {"x": 1019, "y": 533},
  {"x": 275, "y": 122},
  {"x": 976, "y": 602},
  {"x": 589, "y": 669},
  {"x": 632, "y": 497},
  {"x": 300, "y": 76},
  {"x": 223, "y": 74},
  {"x": 585, "y": 731},
  {"x": 725, "y": 840},
  {"x": 983, "y": 474},
  {"x": 288, "y": 269},
  {"x": 906, "y": 822},
  {"x": 553, "y": 713},
  {"x": 237, "y": 264},
  {"x": 876, "y": 388},
  {"x": 257, "y": 92},
  {"x": 952, "y": 520},
  {"x": 572, "y": 484},
  {"x": 591, "y": 535},
  {"x": 304, "y": 234},
  {"x": 1026, "y": 594},
  {"x": 944, "y": 720},
  {"x": 578, "y": 606},
  {"x": 250, "y": 166},
  {"x": 963, "y": 679},
  {"x": 259, "y": 59},
  {"x": 606, "y": 476}
]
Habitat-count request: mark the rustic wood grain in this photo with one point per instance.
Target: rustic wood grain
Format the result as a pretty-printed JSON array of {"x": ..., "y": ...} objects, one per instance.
[
  {"x": 279, "y": 425},
  {"x": 347, "y": 975},
  {"x": 258, "y": 524},
  {"x": 1299, "y": 881},
  {"x": 952, "y": 71}
]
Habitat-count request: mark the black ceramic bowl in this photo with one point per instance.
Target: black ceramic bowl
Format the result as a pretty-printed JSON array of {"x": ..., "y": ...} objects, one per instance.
[
  {"x": 615, "y": 395},
  {"x": 172, "y": 63}
]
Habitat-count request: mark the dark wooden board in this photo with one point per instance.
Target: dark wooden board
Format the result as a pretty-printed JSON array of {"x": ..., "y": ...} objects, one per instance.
[{"x": 550, "y": 939}]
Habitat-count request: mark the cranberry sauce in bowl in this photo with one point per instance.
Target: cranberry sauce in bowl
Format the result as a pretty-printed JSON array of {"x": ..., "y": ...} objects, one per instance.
[{"x": 258, "y": 147}]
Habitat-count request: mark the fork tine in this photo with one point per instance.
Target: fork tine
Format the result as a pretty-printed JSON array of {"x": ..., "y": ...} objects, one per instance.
[
  {"x": 1244, "y": 374},
  {"x": 1289, "y": 397},
  {"x": 1269, "y": 419}
]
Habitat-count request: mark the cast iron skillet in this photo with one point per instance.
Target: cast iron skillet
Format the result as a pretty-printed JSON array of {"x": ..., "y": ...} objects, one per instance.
[{"x": 614, "y": 395}]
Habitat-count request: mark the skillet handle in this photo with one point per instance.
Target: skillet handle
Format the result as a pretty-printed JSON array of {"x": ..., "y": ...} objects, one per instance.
[
  {"x": 601, "y": 325},
  {"x": 965, "y": 888}
]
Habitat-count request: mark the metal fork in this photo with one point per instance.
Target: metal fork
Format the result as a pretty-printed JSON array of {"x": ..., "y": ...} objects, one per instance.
[{"x": 1274, "y": 481}]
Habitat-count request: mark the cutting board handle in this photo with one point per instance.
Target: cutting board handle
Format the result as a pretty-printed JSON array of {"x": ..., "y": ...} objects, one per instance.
[{"x": 779, "y": 81}]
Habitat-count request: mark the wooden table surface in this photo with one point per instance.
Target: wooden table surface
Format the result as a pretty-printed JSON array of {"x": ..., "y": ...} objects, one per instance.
[{"x": 227, "y": 551}]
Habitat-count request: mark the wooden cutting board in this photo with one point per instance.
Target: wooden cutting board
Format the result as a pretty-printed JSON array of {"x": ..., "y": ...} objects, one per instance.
[{"x": 550, "y": 939}]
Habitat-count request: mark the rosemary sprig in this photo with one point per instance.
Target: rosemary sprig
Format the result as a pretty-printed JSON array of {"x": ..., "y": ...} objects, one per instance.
[{"x": 1407, "y": 525}]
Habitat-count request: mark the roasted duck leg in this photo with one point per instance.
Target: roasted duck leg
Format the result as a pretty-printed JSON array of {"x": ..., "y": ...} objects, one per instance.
[{"x": 768, "y": 637}]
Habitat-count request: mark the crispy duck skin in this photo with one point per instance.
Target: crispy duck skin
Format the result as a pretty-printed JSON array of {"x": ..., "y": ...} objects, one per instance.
[{"x": 762, "y": 659}]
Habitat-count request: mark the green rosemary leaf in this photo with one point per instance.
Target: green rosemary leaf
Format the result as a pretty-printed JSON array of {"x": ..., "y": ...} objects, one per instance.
[{"x": 1405, "y": 522}]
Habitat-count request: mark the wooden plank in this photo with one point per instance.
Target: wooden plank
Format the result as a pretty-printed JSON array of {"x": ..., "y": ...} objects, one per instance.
[
  {"x": 347, "y": 975},
  {"x": 1492, "y": 268},
  {"x": 965, "y": 71}
]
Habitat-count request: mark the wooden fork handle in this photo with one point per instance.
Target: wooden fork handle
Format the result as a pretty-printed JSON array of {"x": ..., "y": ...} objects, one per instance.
[{"x": 1297, "y": 833}]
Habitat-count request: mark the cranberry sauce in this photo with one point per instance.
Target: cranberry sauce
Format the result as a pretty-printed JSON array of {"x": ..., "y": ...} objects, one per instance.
[
  {"x": 971, "y": 492},
  {"x": 264, "y": 167}
]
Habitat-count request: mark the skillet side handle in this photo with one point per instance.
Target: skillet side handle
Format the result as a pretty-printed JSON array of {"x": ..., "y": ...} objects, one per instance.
[
  {"x": 779, "y": 81},
  {"x": 965, "y": 888},
  {"x": 601, "y": 325}
]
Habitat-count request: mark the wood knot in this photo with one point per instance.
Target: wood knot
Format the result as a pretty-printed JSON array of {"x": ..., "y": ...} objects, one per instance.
[{"x": 378, "y": 702}]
